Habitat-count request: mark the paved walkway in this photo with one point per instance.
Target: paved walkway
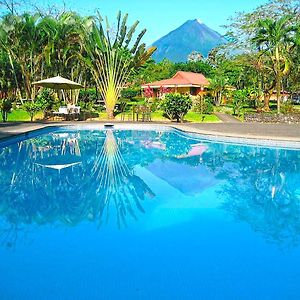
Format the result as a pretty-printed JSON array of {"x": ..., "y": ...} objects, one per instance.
[
  {"x": 14, "y": 128},
  {"x": 225, "y": 118},
  {"x": 279, "y": 132}
]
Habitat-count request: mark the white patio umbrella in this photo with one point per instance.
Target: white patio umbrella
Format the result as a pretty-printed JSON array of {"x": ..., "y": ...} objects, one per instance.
[
  {"x": 59, "y": 166},
  {"x": 59, "y": 162},
  {"x": 58, "y": 83}
]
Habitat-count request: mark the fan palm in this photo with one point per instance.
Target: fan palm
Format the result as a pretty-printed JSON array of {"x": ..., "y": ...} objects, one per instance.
[{"x": 112, "y": 56}]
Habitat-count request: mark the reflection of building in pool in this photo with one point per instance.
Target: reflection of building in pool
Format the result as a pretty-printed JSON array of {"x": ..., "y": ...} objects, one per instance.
[
  {"x": 188, "y": 179},
  {"x": 181, "y": 167},
  {"x": 196, "y": 150}
]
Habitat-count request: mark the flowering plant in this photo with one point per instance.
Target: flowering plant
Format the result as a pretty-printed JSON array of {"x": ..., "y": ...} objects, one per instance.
[{"x": 148, "y": 92}]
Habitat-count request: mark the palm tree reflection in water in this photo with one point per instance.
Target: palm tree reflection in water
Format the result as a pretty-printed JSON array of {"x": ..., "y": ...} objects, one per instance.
[
  {"x": 50, "y": 183},
  {"x": 116, "y": 183}
]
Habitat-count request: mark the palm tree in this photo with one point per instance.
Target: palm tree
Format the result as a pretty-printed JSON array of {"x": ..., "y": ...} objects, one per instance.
[
  {"x": 112, "y": 56},
  {"x": 43, "y": 46},
  {"x": 20, "y": 39},
  {"x": 217, "y": 87},
  {"x": 274, "y": 40},
  {"x": 63, "y": 47}
]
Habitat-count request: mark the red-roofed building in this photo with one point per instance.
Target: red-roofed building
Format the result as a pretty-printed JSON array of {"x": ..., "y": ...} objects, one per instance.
[{"x": 182, "y": 82}]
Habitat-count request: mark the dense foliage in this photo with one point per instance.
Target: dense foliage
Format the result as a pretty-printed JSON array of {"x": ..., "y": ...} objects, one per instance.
[
  {"x": 35, "y": 46},
  {"x": 266, "y": 45},
  {"x": 176, "y": 106},
  {"x": 5, "y": 108}
]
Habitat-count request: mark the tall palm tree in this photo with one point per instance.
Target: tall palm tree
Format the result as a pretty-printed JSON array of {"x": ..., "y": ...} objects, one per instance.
[
  {"x": 19, "y": 38},
  {"x": 274, "y": 39},
  {"x": 63, "y": 47},
  {"x": 43, "y": 46}
]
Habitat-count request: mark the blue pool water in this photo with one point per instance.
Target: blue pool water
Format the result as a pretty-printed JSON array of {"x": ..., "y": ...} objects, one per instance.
[{"x": 126, "y": 214}]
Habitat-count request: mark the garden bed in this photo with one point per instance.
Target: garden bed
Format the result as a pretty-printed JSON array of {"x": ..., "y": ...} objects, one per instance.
[{"x": 272, "y": 118}]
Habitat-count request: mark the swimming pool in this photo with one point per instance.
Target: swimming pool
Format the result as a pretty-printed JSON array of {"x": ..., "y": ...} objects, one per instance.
[{"x": 147, "y": 214}]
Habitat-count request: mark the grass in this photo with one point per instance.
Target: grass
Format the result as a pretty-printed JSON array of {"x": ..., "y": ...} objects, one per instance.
[
  {"x": 158, "y": 117},
  {"x": 197, "y": 118},
  {"x": 193, "y": 117},
  {"x": 296, "y": 107},
  {"x": 19, "y": 115}
]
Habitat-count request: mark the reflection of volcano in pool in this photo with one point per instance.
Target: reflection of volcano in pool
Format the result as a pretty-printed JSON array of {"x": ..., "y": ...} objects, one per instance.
[{"x": 185, "y": 178}]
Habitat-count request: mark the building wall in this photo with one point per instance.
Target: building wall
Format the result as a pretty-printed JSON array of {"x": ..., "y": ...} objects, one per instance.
[{"x": 193, "y": 91}]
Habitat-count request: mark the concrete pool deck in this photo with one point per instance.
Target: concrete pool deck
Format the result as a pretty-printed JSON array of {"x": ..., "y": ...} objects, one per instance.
[{"x": 257, "y": 131}]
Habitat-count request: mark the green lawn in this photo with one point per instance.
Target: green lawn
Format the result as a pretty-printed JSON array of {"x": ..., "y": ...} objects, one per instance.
[
  {"x": 21, "y": 115},
  {"x": 196, "y": 118},
  {"x": 158, "y": 117},
  {"x": 297, "y": 107}
]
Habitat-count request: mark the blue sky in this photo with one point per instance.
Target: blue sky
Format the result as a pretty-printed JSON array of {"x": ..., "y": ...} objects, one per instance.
[{"x": 162, "y": 16}]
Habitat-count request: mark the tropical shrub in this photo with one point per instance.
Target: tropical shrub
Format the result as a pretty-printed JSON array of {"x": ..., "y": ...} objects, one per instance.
[
  {"x": 87, "y": 105},
  {"x": 32, "y": 108},
  {"x": 148, "y": 92},
  {"x": 176, "y": 106},
  {"x": 130, "y": 93},
  {"x": 46, "y": 100},
  {"x": 239, "y": 98},
  {"x": 139, "y": 99},
  {"x": 5, "y": 108},
  {"x": 203, "y": 105},
  {"x": 88, "y": 95},
  {"x": 287, "y": 107}
]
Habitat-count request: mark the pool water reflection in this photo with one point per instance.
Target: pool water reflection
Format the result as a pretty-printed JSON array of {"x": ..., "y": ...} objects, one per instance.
[{"x": 147, "y": 215}]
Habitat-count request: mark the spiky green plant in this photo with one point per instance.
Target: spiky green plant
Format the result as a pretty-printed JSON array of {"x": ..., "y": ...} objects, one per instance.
[{"x": 113, "y": 56}]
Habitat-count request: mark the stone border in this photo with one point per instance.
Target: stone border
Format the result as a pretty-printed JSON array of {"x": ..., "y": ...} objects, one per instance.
[
  {"x": 250, "y": 140},
  {"x": 205, "y": 135},
  {"x": 291, "y": 118},
  {"x": 240, "y": 141}
]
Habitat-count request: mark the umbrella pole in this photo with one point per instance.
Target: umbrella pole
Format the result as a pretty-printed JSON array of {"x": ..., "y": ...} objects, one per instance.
[{"x": 64, "y": 96}]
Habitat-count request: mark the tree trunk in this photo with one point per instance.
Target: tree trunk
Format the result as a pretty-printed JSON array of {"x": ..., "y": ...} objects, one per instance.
[
  {"x": 4, "y": 116},
  {"x": 110, "y": 114},
  {"x": 15, "y": 77},
  {"x": 278, "y": 92},
  {"x": 267, "y": 97},
  {"x": 27, "y": 83},
  {"x": 278, "y": 79}
]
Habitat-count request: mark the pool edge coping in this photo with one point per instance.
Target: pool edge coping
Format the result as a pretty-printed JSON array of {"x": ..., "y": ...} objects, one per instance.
[{"x": 249, "y": 139}]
